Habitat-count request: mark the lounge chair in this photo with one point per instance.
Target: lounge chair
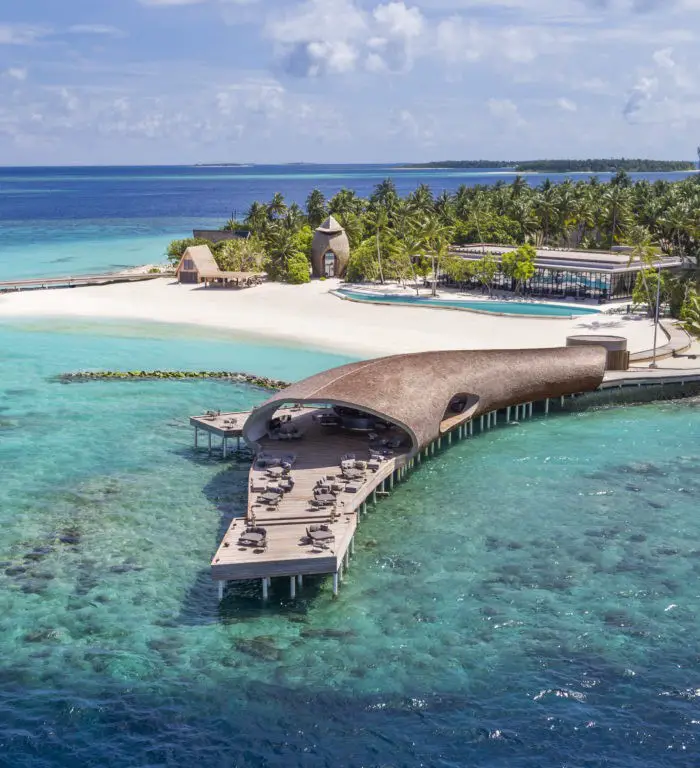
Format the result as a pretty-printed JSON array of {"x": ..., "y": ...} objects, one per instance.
[
  {"x": 254, "y": 536},
  {"x": 320, "y": 534}
]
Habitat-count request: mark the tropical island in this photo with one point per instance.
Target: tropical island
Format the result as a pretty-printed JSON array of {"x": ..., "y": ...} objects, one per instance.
[
  {"x": 609, "y": 165},
  {"x": 421, "y": 238}
]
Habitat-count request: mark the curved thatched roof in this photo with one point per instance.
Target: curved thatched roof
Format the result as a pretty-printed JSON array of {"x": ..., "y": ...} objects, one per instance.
[{"x": 414, "y": 391}]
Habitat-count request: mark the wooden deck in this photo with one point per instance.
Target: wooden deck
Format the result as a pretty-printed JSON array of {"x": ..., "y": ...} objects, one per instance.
[
  {"x": 37, "y": 283},
  {"x": 316, "y": 456}
]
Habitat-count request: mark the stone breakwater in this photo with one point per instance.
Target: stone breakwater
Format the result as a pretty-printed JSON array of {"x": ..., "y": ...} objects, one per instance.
[{"x": 233, "y": 376}]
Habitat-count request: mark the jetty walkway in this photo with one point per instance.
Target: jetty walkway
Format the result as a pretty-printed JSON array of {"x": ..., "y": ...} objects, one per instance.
[
  {"x": 38, "y": 283},
  {"x": 320, "y": 457}
]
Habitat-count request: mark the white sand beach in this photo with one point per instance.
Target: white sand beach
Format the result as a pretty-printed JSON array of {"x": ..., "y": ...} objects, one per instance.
[{"x": 309, "y": 315}]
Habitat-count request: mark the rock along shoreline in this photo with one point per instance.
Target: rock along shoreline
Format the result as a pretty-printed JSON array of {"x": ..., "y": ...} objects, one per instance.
[{"x": 236, "y": 377}]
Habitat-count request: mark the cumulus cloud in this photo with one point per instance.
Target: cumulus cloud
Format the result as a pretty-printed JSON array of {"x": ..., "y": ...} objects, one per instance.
[
  {"x": 662, "y": 93},
  {"x": 319, "y": 37}
]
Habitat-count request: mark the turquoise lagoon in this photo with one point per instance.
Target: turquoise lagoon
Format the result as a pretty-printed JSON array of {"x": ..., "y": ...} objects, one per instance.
[
  {"x": 527, "y": 598},
  {"x": 536, "y": 309}
]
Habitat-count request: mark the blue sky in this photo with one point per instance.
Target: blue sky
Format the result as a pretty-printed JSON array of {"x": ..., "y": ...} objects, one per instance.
[{"x": 183, "y": 81}]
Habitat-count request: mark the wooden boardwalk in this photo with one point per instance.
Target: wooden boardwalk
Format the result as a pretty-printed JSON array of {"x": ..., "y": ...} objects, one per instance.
[
  {"x": 315, "y": 457},
  {"x": 37, "y": 283}
]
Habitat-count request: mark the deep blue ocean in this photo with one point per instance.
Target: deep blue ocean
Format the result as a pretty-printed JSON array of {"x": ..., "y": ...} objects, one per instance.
[{"x": 527, "y": 599}]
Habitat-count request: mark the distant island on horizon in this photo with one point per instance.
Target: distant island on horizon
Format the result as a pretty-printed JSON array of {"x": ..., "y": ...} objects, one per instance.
[{"x": 604, "y": 165}]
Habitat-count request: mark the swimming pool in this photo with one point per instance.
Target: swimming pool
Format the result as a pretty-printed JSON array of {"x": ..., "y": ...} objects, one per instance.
[{"x": 501, "y": 307}]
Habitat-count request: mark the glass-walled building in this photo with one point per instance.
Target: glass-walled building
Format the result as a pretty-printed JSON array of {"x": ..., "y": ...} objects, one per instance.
[{"x": 601, "y": 275}]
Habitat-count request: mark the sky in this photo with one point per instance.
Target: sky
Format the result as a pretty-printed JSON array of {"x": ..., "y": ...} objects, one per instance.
[{"x": 270, "y": 81}]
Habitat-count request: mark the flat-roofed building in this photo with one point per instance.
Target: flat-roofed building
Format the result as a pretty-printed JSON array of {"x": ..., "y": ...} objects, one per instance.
[{"x": 570, "y": 273}]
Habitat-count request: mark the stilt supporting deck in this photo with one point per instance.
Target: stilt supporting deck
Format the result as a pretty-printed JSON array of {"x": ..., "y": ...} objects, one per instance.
[
  {"x": 495, "y": 418},
  {"x": 529, "y": 408},
  {"x": 292, "y": 587},
  {"x": 209, "y": 436},
  {"x": 449, "y": 438},
  {"x": 223, "y": 447},
  {"x": 335, "y": 583},
  {"x": 508, "y": 414},
  {"x": 300, "y": 581},
  {"x": 471, "y": 428},
  {"x": 562, "y": 401},
  {"x": 347, "y": 559},
  {"x": 352, "y": 545},
  {"x": 220, "y": 589},
  {"x": 196, "y": 437},
  {"x": 264, "y": 588},
  {"x": 546, "y": 406}
]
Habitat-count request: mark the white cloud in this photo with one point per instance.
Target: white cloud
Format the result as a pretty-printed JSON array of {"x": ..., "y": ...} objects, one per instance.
[
  {"x": 317, "y": 20},
  {"x": 17, "y": 73},
  {"x": 21, "y": 34},
  {"x": 567, "y": 105},
  {"x": 505, "y": 110},
  {"x": 459, "y": 40},
  {"x": 663, "y": 58},
  {"x": 399, "y": 20},
  {"x": 318, "y": 37},
  {"x": 95, "y": 29}
]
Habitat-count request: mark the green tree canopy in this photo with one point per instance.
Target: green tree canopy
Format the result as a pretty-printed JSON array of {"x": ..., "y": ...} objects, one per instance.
[{"x": 177, "y": 248}]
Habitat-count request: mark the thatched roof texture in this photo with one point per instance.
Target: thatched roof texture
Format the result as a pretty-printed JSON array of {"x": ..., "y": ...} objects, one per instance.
[
  {"x": 414, "y": 391},
  {"x": 204, "y": 261}
]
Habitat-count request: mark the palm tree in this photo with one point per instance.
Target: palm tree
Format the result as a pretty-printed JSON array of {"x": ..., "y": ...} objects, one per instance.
[
  {"x": 276, "y": 208},
  {"x": 436, "y": 238},
  {"x": 345, "y": 202},
  {"x": 315, "y": 208},
  {"x": 384, "y": 196},
  {"x": 293, "y": 218},
  {"x": 411, "y": 247},
  {"x": 256, "y": 219},
  {"x": 644, "y": 252},
  {"x": 421, "y": 200},
  {"x": 378, "y": 220}
]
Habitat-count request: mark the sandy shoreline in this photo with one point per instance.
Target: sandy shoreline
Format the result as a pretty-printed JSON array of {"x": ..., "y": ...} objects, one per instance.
[{"x": 308, "y": 315}]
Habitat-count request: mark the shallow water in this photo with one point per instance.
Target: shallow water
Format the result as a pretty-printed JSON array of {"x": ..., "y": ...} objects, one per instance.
[{"x": 526, "y": 598}]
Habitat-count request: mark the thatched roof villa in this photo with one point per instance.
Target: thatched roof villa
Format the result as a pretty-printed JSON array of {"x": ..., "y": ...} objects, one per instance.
[{"x": 198, "y": 265}]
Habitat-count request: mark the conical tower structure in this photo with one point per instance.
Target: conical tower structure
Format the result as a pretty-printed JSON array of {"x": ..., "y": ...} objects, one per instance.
[{"x": 330, "y": 250}]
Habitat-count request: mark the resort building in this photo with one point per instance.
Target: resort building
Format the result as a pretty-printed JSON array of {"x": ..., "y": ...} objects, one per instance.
[
  {"x": 564, "y": 273},
  {"x": 220, "y": 235},
  {"x": 198, "y": 265},
  {"x": 327, "y": 445},
  {"x": 330, "y": 250}
]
